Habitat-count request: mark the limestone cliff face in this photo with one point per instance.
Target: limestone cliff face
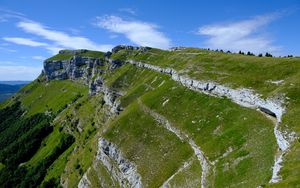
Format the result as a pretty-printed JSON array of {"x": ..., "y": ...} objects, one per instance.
[
  {"x": 89, "y": 70},
  {"x": 82, "y": 67},
  {"x": 75, "y": 68}
]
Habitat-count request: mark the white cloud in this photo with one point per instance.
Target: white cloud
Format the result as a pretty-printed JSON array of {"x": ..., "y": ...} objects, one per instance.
[
  {"x": 11, "y": 12},
  {"x": 242, "y": 35},
  {"x": 61, "y": 39},
  {"x": 128, "y": 10},
  {"x": 140, "y": 33},
  {"x": 24, "y": 41},
  {"x": 57, "y": 40},
  {"x": 29, "y": 42},
  {"x": 6, "y": 15},
  {"x": 38, "y": 57},
  {"x": 8, "y": 72}
]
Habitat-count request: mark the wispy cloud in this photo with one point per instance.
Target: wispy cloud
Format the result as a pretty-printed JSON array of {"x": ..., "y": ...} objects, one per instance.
[
  {"x": 128, "y": 10},
  {"x": 24, "y": 41},
  {"x": 6, "y": 15},
  {"x": 8, "y": 72},
  {"x": 32, "y": 43},
  {"x": 53, "y": 40},
  {"x": 61, "y": 39},
  {"x": 140, "y": 33},
  {"x": 245, "y": 35}
]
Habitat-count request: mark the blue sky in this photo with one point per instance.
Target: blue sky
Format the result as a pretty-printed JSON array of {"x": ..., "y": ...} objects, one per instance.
[{"x": 34, "y": 30}]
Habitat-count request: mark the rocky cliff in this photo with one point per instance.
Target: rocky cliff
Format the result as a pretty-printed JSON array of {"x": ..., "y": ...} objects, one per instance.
[
  {"x": 77, "y": 67},
  {"x": 124, "y": 64}
]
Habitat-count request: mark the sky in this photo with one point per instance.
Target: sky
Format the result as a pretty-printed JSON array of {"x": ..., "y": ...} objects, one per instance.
[{"x": 34, "y": 30}]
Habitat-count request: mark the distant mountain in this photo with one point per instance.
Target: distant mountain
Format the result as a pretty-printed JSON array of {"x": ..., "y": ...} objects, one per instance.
[
  {"x": 15, "y": 82},
  {"x": 8, "y": 88}
]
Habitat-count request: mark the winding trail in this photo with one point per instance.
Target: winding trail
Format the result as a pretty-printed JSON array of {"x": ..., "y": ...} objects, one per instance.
[
  {"x": 183, "y": 167},
  {"x": 204, "y": 162},
  {"x": 243, "y": 97}
]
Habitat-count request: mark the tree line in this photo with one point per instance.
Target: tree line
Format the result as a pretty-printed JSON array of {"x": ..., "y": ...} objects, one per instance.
[{"x": 267, "y": 54}]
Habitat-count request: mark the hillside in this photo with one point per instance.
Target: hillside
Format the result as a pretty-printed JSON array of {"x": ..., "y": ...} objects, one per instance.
[{"x": 145, "y": 117}]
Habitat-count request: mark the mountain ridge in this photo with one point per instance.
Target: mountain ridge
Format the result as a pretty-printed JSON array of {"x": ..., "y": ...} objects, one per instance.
[{"x": 145, "y": 81}]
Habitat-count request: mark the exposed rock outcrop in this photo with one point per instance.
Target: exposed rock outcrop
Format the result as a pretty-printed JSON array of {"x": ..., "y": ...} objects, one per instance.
[
  {"x": 84, "y": 181},
  {"x": 87, "y": 69},
  {"x": 75, "y": 68},
  {"x": 110, "y": 96},
  {"x": 243, "y": 97},
  {"x": 125, "y": 47},
  {"x": 120, "y": 168},
  {"x": 96, "y": 85},
  {"x": 115, "y": 63}
]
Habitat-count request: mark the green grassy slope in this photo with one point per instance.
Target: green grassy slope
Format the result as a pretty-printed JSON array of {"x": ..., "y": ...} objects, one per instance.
[
  {"x": 215, "y": 124},
  {"x": 241, "y": 71},
  {"x": 238, "y": 142}
]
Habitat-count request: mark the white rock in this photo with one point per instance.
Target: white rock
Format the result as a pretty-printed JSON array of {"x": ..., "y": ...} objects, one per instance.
[{"x": 125, "y": 171}]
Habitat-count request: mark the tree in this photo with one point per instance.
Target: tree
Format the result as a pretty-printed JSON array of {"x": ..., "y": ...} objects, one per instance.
[
  {"x": 260, "y": 55},
  {"x": 268, "y": 55},
  {"x": 250, "y": 53}
]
